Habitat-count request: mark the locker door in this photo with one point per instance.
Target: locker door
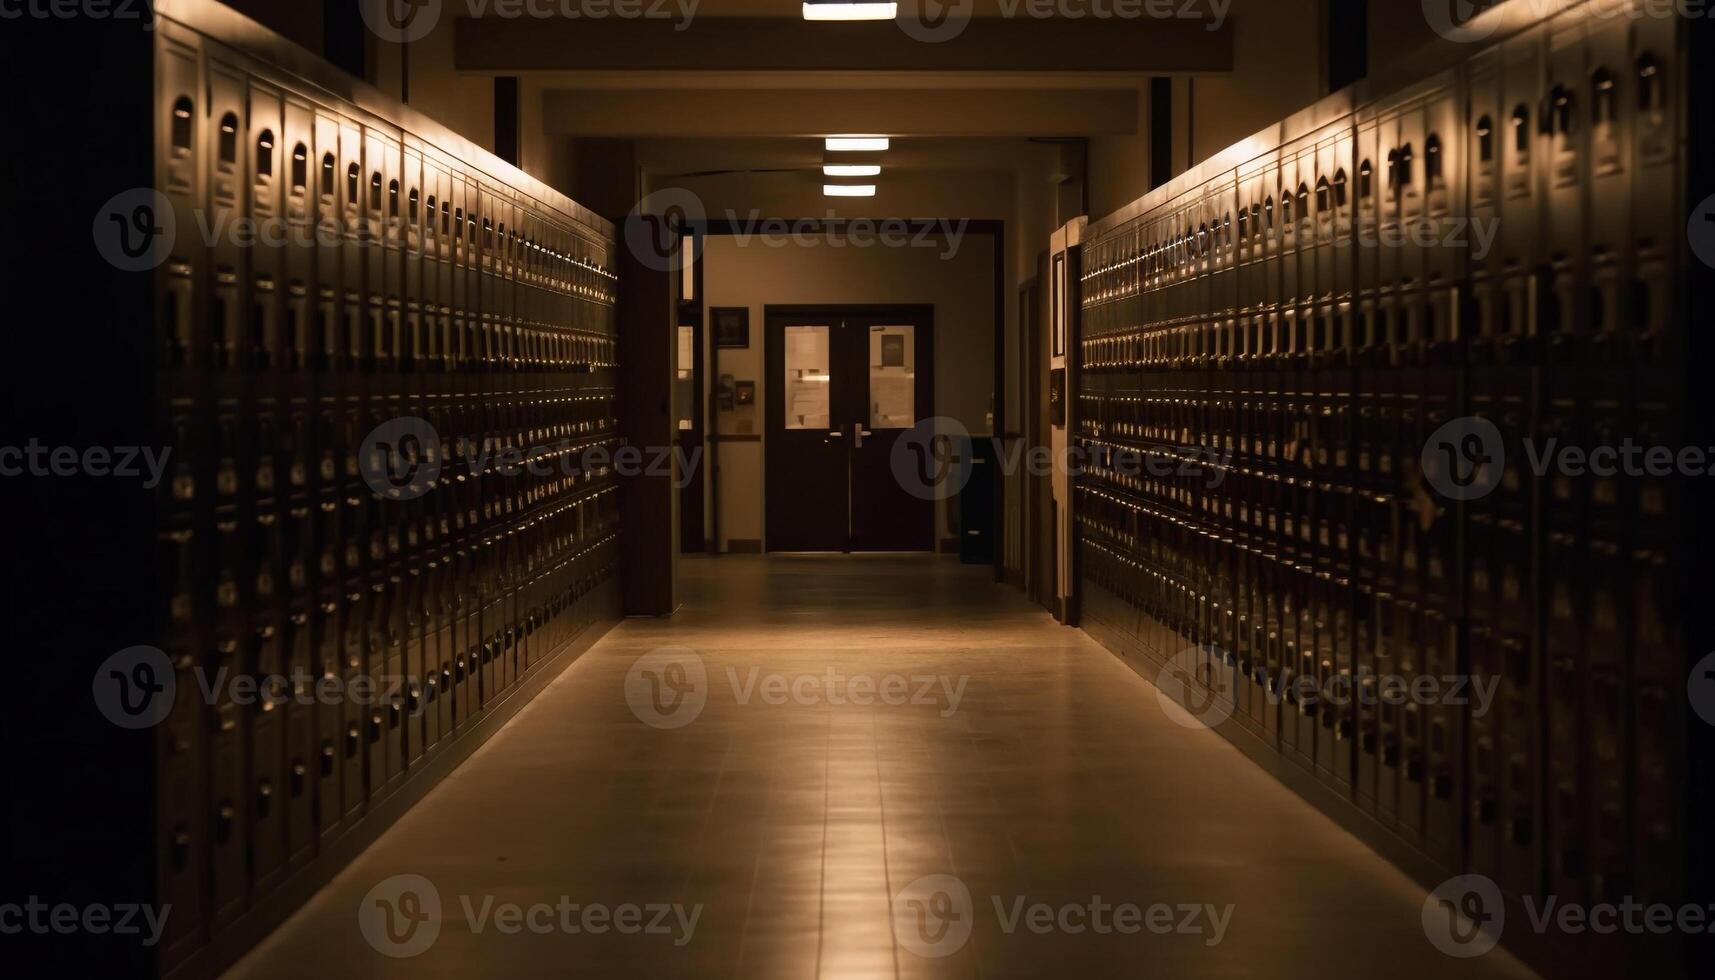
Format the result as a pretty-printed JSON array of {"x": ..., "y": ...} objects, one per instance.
[
  {"x": 468, "y": 664},
  {"x": 327, "y": 348},
  {"x": 227, "y": 163},
  {"x": 412, "y": 180},
  {"x": 1567, "y": 600},
  {"x": 441, "y": 249},
  {"x": 1485, "y": 133},
  {"x": 1285, "y": 219},
  {"x": 182, "y": 740},
  {"x": 181, "y": 118},
  {"x": 1366, "y": 711},
  {"x": 440, "y": 720},
  {"x": 350, "y": 724},
  {"x": 1656, "y": 644},
  {"x": 1411, "y": 729},
  {"x": 227, "y": 157},
  {"x": 266, "y": 178},
  {"x": 1444, "y": 207},
  {"x": 355, "y": 235},
  {"x": 1445, "y": 739},
  {"x": 1320, "y": 266},
  {"x": 458, "y": 252},
  {"x": 1302, "y": 188},
  {"x": 1609, "y": 116},
  {"x": 331, "y": 747},
  {"x": 1521, "y": 218},
  {"x": 1390, "y": 723},
  {"x": 1565, "y": 138},
  {"x": 1366, "y": 198},
  {"x": 182, "y": 748},
  {"x": 1275, "y": 680},
  {"x": 436, "y": 624},
  {"x": 1651, "y": 93},
  {"x": 382, "y": 757},
  {"x": 385, "y": 666},
  {"x": 379, "y": 198},
  {"x": 413, "y": 692},
  {"x": 262, "y": 354},
  {"x": 298, "y": 180},
  {"x": 1330, "y": 620},
  {"x": 268, "y": 668},
  {"x": 229, "y": 753},
  {"x": 1304, "y": 590}
]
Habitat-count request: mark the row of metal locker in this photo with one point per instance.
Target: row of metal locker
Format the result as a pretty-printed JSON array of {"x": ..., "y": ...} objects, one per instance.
[
  {"x": 1257, "y": 321},
  {"x": 1522, "y": 207},
  {"x": 339, "y": 402}
]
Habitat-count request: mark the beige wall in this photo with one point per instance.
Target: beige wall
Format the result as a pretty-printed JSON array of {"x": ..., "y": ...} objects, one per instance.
[
  {"x": 298, "y": 20},
  {"x": 1277, "y": 54},
  {"x": 462, "y": 103},
  {"x": 958, "y": 282}
]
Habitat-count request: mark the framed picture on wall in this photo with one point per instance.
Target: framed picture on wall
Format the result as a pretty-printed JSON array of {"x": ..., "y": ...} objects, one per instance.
[{"x": 732, "y": 326}]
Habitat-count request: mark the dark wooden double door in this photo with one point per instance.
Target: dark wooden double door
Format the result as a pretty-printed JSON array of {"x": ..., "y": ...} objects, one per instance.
[{"x": 844, "y": 385}]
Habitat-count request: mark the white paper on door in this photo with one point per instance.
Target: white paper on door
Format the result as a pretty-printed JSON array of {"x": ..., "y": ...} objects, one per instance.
[{"x": 892, "y": 377}]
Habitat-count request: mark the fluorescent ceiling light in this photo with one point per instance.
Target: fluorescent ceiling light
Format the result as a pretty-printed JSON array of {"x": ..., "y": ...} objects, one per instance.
[
  {"x": 843, "y": 10},
  {"x": 851, "y": 169},
  {"x": 873, "y": 144},
  {"x": 848, "y": 190}
]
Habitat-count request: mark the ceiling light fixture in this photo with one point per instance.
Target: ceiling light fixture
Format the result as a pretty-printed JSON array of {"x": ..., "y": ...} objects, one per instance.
[
  {"x": 873, "y": 144},
  {"x": 848, "y": 190},
  {"x": 851, "y": 169},
  {"x": 847, "y": 10}
]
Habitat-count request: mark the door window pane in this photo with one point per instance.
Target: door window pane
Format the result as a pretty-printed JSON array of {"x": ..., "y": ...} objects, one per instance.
[
  {"x": 807, "y": 379},
  {"x": 892, "y": 377}
]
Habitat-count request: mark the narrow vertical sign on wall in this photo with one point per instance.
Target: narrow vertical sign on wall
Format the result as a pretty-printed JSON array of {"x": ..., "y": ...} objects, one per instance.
[{"x": 1059, "y": 305}]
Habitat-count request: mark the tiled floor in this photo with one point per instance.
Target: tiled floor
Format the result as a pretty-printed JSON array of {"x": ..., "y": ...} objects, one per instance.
[{"x": 961, "y": 733}]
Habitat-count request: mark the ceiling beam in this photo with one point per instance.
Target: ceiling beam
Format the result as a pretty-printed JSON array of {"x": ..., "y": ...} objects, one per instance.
[
  {"x": 506, "y": 45},
  {"x": 928, "y": 112}
]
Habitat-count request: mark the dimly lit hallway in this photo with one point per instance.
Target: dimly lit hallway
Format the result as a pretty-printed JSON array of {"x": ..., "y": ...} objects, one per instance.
[{"x": 1024, "y": 760}]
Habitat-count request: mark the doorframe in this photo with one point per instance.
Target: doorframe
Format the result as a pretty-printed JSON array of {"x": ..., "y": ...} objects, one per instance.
[
  {"x": 1037, "y": 554},
  {"x": 694, "y": 512},
  {"x": 923, "y": 311}
]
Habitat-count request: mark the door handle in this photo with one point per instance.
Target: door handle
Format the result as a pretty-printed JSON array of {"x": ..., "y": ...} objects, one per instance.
[
  {"x": 835, "y": 434},
  {"x": 859, "y": 432}
]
